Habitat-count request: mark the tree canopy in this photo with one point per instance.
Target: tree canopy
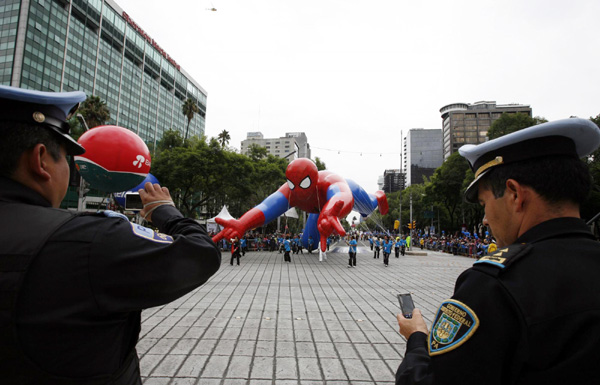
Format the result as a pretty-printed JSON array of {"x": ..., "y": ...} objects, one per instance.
[{"x": 508, "y": 123}]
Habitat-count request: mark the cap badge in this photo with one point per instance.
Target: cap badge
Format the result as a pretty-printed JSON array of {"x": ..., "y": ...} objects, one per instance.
[
  {"x": 494, "y": 162},
  {"x": 39, "y": 117}
]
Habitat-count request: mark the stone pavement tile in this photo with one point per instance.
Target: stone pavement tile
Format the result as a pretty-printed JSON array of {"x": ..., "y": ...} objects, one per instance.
[
  {"x": 285, "y": 335},
  {"x": 338, "y": 336},
  {"x": 301, "y": 323},
  {"x": 192, "y": 366},
  {"x": 333, "y": 369},
  {"x": 346, "y": 350},
  {"x": 158, "y": 332},
  {"x": 266, "y": 334},
  {"x": 145, "y": 344},
  {"x": 309, "y": 369},
  {"x": 263, "y": 367},
  {"x": 177, "y": 332},
  {"x": 265, "y": 348},
  {"x": 245, "y": 348},
  {"x": 356, "y": 370},
  {"x": 249, "y": 333},
  {"x": 209, "y": 381},
  {"x": 285, "y": 368},
  {"x": 374, "y": 336},
  {"x": 169, "y": 366},
  {"x": 239, "y": 367},
  {"x": 235, "y": 381},
  {"x": 194, "y": 332},
  {"x": 357, "y": 337},
  {"x": 224, "y": 347},
  {"x": 262, "y": 382},
  {"x": 326, "y": 350},
  {"x": 149, "y": 362},
  {"x": 286, "y": 349},
  {"x": 367, "y": 352},
  {"x": 268, "y": 323},
  {"x": 154, "y": 320},
  {"x": 216, "y": 366},
  {"x": 204, "y": 347},
  {"x": 232, "y": 333},
  {"x": 163, "y": 346},
  {"x": 214, "y": 333},
  {"x": 321, "y": 336},
  {"x": 303, "y": 335},
  {"x": 387, "y": 351},
  {"x": 156, "y": 381},
  {"x": 183, "y": 381},
  {"x": 379, "y": 370},
  {"x": 184, "y": 346},
  {"x": 305, "y": 349},
  {"x": 350, "y": 325}
]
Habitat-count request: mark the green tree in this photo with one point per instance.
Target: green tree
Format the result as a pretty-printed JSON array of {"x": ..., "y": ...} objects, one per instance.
[
  {"x": 591, "y": 206},
  {"x": 320, "y": 164},
  {"x": 256, "y": 152},
  {"x": 224, "y": 138},
  {"x": 446, "y": 187},
  {"x": 94, "y": 111},
  {"x": 508, "y": 123},
  {"x": 189, "y": 109}
]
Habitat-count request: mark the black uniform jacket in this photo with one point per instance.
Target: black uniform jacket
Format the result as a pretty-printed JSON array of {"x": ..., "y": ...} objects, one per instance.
[
  {"x": 78, "y": 312},
  {"x": 528, "y": 314}
]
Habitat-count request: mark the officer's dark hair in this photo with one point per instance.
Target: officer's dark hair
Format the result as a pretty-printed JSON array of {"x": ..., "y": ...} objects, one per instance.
[
  {"x": 18, "y": 137},
  {"x": 555, "y": 178}
]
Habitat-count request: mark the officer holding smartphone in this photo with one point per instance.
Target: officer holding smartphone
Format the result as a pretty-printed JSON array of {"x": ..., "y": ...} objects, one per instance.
[
  {"x": 530, "y": 312},
  {"x": 73, "y": 285}
]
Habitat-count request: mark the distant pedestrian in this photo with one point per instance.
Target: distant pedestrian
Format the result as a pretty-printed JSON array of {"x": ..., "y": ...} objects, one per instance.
[
  {"x": 377, "y": 243},
  {"x": 352, "y": 252},
  {"x": 387, "y": 250},
  {"x": 397, "y": 246},
  {"x": 287, "y": 248},
  {"x": 235, "y": 250}
]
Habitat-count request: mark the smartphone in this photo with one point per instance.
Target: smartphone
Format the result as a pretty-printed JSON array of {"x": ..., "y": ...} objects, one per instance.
[
  {"x": 406, "y": 304},
  {"x": 133, "y": 201}
]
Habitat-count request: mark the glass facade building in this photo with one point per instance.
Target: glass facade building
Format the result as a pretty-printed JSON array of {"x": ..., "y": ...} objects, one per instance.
[
  {"x": 469, "y": 123},
  {"x": 95, "y": 47},
  {"x": 422, "y": 154}
]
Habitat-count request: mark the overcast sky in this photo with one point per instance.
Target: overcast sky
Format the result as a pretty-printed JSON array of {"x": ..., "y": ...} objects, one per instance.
[{"x": 354, "y": 74}]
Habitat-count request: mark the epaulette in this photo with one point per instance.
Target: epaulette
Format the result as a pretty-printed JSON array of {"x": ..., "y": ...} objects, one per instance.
[{"x": 503, "y": 258}]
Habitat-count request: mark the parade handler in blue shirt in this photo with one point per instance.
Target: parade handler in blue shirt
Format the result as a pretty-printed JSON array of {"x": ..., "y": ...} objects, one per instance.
[
  {"x": 530, "y": 312},
  {"x": 73, "y": 285}
]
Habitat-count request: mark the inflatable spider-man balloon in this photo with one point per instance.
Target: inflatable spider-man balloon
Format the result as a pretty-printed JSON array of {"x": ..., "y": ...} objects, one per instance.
[{"x": 326, "y": 196}]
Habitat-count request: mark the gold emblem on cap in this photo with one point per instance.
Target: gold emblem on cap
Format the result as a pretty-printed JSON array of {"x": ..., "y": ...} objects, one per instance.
[
  {"x": 39, "y": 117},
  {"x": 494, "y": 162}
]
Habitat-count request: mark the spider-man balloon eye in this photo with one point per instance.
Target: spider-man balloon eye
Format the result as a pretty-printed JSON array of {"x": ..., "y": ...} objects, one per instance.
[
  {"x": 305, "y": 183},
  {"x": 290, "y": 184}
]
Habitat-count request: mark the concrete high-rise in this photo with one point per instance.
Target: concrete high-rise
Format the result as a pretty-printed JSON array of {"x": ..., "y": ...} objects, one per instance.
[
  {"x": 421, "y": 154},
  {"x": 291, "y": 146},
  {"x": 469, "y": 123}
]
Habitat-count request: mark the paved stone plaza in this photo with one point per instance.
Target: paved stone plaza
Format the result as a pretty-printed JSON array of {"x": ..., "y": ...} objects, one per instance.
[{"x": 305, "y": 322}]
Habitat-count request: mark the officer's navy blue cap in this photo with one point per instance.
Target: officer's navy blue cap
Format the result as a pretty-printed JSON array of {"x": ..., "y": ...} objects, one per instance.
[
  {"x": 48, "y": 109},
  {"x": 571, "y": 137}
]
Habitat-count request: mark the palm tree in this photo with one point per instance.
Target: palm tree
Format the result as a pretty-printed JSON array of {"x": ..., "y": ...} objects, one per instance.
[
  {"x": 189, "y": 109},
  {"x": 94, "y": 111},
  {"x": 224, "y": 138}
]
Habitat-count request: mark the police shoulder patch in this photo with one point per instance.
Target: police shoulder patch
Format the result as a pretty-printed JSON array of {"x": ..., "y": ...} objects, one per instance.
[
  {"x": 454, "y": 324},
  {"x": 502, "y": 257},
  {"x": 151, "y": 235}
]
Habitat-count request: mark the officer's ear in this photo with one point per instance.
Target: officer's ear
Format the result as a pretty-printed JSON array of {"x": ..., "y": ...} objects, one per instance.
[
  {"x": 38, "y": 159},
  {"x": 517, "y": 194}
]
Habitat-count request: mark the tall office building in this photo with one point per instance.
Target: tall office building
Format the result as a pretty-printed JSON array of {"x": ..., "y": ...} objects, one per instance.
[
  {"x": 469, "y": 123},
  {"x": 291, "y": 146},
  {"x": 393, "y": 180},
  {"x": 422, "y": 154},
  {"x": 96, "y": 47}
]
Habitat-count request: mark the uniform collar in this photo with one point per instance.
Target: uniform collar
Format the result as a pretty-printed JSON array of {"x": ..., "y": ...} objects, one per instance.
[
  {"x": 13, "y": 191},
  {"x": 555, "y": 227}
]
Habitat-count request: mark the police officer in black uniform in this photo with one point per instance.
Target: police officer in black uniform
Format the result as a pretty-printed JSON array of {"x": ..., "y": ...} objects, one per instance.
[
  {"x": 530, "y": 312},
  {"x": 72, "y": 285}
]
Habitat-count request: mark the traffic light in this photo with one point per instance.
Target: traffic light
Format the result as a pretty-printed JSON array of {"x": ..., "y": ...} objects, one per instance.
[
  {"x": 414, "y": 224},
  {"x": 410, "y": 226}
]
